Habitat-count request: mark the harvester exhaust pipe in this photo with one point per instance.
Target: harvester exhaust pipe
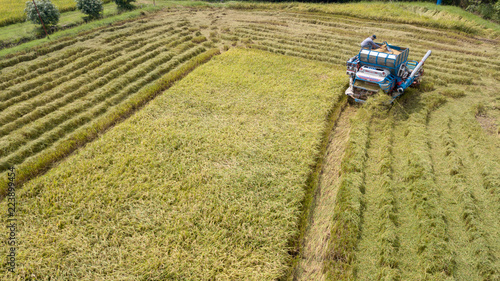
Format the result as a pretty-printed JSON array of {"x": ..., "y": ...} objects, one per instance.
[{"x": 410, "y": 79}]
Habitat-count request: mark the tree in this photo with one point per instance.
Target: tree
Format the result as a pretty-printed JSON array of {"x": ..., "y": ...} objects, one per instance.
[
  {"x": 48, "y": 12},
  {"x": 124, "y": 4},
  {"x": 92, "y": 8}
]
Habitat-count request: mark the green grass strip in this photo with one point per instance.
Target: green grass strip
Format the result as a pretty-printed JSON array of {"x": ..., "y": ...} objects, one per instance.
[{"x": 41, "y": 162}]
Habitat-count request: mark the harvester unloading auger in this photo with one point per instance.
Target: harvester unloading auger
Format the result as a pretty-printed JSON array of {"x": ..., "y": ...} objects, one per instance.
[{"x": 385, "y": 69}]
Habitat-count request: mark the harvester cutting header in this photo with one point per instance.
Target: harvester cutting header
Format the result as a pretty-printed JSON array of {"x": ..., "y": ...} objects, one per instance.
[{"x": 386, "y": 69}]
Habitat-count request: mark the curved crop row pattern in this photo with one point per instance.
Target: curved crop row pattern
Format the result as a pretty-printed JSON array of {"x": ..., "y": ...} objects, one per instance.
[
  {"x": 105, "y": 73},
  {"x": 35, "y": 54},
  {"x": 19, "y": 75},
  {"x": 42, "y": 161},
  {"x": 35, "y": 129},
  {"x": 43, "y": 83},
  {"x": 69, "y": 72}
]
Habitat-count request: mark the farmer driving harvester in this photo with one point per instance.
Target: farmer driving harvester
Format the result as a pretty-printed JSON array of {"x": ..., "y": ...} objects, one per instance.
[
  {"x": 369, "y": 44},
  {"x": 384, "y": 68}
]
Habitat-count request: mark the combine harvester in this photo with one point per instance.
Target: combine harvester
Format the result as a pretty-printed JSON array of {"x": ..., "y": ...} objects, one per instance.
[{"x": 387, "y": 69}]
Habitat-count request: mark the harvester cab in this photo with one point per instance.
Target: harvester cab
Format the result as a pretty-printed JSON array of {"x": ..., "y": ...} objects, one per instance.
[{"x": 386, "y": 69}]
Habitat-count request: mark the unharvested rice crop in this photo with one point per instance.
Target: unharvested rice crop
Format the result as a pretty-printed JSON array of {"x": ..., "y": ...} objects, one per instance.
[{"x": 205, "y": 182}]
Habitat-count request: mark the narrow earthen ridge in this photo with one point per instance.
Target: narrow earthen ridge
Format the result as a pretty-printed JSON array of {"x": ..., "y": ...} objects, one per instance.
[{"x": 310, "y": 265}]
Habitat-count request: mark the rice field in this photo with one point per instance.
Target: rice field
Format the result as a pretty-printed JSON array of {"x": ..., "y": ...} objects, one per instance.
[
  {"x": 56, "y": 98},
  {"x": 12, "y": 11},
  {"x": 230, "y": 174},
  {"x": 219, "y": 187}
]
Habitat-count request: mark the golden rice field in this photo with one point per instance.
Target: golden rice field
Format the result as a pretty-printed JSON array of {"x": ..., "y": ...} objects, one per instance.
[
  {"x": 253, "y": 166},
  {"x": 12, "y": 11}
]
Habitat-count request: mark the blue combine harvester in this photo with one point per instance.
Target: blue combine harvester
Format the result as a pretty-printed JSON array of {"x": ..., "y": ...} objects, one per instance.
[{"x": 385, "y": 69}]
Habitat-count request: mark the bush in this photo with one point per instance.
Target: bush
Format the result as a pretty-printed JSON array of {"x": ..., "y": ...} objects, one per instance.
[
  {"x": 496, "y": 7},
  {"x": 48, "y": 12},
  {"x": 92, "y": 8},
  {"x": 124, "y": 4}
]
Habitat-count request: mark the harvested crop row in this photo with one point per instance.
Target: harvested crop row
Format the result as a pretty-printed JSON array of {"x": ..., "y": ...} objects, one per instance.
[
  {"x": 417, "y": 31},
  {"x": 17, "y": 131},
  {"x": 478, "y": 237},
  {"x": 74, "y": 70},
  {"x": 349, "y": 203},
  {"x": 347, "y": 41},
  {"x": 31, "y": 71},
  {"x": 436, "y": 258},
  {"x": 135, "y": 30},
  {"x": 103, "y": 98},
  {"x": 405, "y": 38},
  {"x": 41, "y": 161},
  {"x": 35, "y": 54},
  {"x": 308, "y": 43},
  {"x": 393, "y": 13},
  {"x": 107, "y": 71},
  {"x": 387, "y": 236},
  {"x": 34, "y": 87},
  {"x": 291, "y": 47},
  {"x": 47, "y": 116},
  {"x": 66, "y": 122},
  {"x": 487, "y": 164}
]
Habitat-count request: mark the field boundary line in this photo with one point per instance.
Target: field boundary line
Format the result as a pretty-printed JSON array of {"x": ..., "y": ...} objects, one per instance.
[{"x": 43, "y": 162}]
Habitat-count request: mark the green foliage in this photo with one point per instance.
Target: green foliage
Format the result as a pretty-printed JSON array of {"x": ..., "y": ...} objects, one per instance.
[
  {"x": 48, "y": 12},
  {"x": 124, "y": 4},
  {"x": 487, "y": 9},
  {"x": 92, "y": 8}
]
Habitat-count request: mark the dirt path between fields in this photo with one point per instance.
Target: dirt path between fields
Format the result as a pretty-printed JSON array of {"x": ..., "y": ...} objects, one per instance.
[{"x": 316, "y": 239}]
